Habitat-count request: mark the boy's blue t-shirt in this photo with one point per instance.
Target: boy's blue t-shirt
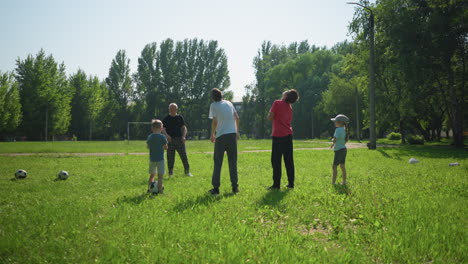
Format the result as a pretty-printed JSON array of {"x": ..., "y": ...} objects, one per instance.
[
  {"x": 340, "y": 135},
  {"x": 156, "y": 142}
]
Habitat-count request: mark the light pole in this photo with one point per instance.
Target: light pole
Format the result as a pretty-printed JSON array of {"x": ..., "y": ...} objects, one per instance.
[
  {"x": 372, "y": 141},
  {"x": 357, "y": 112}
]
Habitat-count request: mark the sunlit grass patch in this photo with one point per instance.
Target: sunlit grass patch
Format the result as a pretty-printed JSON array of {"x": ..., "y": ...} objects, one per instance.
[{"x": 391, "y": 211}]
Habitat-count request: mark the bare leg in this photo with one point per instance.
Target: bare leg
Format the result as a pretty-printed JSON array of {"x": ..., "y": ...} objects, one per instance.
[
  {"x": 160, "y": 183},
  {"x": 335, "y": 172},
  {"x": 343, "y": 172},
  {"x": 151, "y": 178}
]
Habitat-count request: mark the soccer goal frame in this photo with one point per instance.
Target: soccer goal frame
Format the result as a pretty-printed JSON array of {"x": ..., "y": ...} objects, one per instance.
[{"x": 133, "y": 123}]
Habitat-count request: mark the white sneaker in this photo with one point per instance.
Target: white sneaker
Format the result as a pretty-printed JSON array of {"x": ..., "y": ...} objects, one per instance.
[{"x": 189, "y": 174}]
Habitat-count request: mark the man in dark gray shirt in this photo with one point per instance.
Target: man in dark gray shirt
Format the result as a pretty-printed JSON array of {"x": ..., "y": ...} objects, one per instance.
[{"x": 175, "y": 131}]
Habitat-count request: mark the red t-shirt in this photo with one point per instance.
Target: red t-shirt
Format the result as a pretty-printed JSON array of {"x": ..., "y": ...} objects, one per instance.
[{"x": 282, "y": 118}]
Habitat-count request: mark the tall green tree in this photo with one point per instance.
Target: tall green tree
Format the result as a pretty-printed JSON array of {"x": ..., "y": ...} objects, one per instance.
[
  {"x": 87, "y": 104},
  {"x": 45, "y": 96},
  {"x": 309, "y": 74},
  {"x": 147, "y": 79},
  {"x": 79, "y": 122},
  {"x": 119, "y": 84},
  {"x": 269, "y": 56},
  {"x": 10, "y": 105},
  {"x": 183, "y": 72},
  {"x": 249, "y": 114},
  {"x": 420, "y": 48}
]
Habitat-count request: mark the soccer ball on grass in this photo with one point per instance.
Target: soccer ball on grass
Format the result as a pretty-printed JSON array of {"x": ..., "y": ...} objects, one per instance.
[
  {"x": 153, "y": 188},
  {"x": 62, "y": 175},
  {"x": 21, "y": 174}
]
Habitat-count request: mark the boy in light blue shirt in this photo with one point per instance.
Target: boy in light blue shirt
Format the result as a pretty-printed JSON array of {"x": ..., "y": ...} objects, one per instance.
[
  {"x": 156, "y": 144},
  {"x": 339, "y": 146}
]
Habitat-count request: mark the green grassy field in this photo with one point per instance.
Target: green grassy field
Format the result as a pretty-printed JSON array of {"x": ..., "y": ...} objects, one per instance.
[
  {"x": 390, "y": 212},
  {"x": 135, "y": 146}
]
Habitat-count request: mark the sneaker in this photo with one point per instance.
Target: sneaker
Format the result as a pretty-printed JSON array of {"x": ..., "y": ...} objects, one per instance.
[
  {"x": 171, "y": 173},
  {"x": 214, "y": 191},
  {"x": 290, "y": 187},
  {"x": 343, "y": 183},
  {"x": 189, "y": 174},
  {"x": 235, "y": 190},
  {"x": 273, "y": 188}
]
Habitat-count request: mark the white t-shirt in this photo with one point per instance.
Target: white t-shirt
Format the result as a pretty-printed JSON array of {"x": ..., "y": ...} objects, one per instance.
[{"x": 224, "y": 112}]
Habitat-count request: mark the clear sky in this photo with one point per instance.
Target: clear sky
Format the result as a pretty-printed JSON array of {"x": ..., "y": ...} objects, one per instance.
[{"x": 87, "y": 34}]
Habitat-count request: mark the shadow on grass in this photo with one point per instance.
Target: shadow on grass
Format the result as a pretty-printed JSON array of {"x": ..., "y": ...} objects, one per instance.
[
  {"x": 14, "y": 179},
  {"x": 342, "y": 189},
  {"x": 386, "y": 155},
  {"x": 202, "y": 200},
  {"x": 137, "y": 199},
  {"x": 273, "y": 198},
  {"x": 435, "y": 152}
]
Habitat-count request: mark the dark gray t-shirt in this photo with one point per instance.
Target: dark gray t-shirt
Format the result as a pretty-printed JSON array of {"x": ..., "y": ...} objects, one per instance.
[{"x": 173, "y": 125}]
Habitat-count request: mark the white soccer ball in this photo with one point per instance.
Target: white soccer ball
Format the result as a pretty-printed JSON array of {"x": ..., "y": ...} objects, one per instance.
[
  {"x": 21, "y": 174},
  {"x": 413, "y": 161},
  {"x": 153, "y": 188},
  {"x": 62, "y": 175}
]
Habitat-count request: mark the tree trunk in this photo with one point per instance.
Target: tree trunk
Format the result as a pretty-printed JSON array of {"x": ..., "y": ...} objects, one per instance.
[
  {"x": 423, "y": 131},
  {"x": 262, "y": 128},
  {"x": 312, "y": 123},
  {"x": 457, "y": 108},
  {"x": 46, "y": 122},
  {"x": 402, "y": 132},
  {"x": 357, "y": 113},
  {"x": 90, "y": 130}
]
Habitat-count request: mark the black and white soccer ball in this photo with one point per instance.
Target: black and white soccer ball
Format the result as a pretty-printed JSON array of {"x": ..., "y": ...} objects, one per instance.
[
  {"x": 63, "y": 175},
  {"x": 153, "y": 188},
  {"x": 21, "y": 174}
]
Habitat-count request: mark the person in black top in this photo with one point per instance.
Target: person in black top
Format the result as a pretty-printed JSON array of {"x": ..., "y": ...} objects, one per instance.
[{"x": 175, "y": 131}]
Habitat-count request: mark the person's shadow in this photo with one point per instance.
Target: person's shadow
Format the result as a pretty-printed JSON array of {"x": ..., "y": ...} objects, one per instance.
[
  {"x": 201, "y": 200},
  {"x": 342, "y": 189},
  {"x": 137, "y": 199},
  {"x": 273, "y": 198}
]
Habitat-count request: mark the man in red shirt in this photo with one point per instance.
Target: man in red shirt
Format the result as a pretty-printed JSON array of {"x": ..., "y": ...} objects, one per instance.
[{"x": 282, "y": 145}]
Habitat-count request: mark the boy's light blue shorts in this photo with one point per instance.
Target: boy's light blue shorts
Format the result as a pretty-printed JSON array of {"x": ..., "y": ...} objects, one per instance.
[{"x": 156, "y": 167}]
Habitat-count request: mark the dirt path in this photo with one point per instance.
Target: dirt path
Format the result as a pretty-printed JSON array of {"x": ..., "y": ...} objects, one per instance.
[{"x": 348, "y": 145}]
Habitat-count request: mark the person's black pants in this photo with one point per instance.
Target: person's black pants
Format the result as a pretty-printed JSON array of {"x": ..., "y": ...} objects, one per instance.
[
  {"x": 282, "y": 147},
  {"x": 177, "y": 145},
  {"x": 225, "y": 143}
]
